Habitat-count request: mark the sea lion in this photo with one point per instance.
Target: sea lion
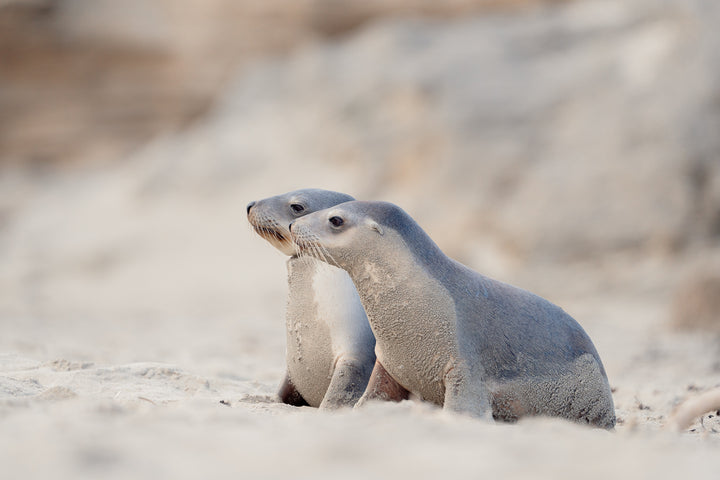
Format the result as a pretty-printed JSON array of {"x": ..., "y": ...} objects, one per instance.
[
  {"x": 329, "y": 342},
  {"x": 451, "y": 335}
]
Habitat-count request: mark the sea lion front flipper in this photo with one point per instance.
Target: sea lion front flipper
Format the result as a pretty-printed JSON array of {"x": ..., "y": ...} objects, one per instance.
[
  {"x": 347, "y": 385},
  {"x": 382, "y": 386},
  {"x": 289, "y": 395},
  {"x": 466, "y": 394}
]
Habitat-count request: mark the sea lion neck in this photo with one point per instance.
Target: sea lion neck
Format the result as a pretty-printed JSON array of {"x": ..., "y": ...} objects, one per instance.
[{"x": 401, "y": 256}]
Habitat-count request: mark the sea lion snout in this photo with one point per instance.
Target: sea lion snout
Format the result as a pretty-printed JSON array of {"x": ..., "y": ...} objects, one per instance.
[{"x": 250, "y": 205}]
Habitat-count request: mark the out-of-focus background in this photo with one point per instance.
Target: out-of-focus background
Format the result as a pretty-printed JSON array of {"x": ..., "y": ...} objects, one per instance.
[{"x": 569, "y": 147}]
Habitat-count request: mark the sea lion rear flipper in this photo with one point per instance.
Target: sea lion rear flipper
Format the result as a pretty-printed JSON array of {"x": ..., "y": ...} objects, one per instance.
[
  {"x": 347, "y": 385},
  {"x": 382, "y": 386},
  {"x": 289, "y": 395}
]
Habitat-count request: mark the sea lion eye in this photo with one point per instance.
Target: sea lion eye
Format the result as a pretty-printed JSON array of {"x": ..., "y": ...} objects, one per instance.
[
  {"x": 336, "y": 221},
  {"x": 297, "y": 208}
]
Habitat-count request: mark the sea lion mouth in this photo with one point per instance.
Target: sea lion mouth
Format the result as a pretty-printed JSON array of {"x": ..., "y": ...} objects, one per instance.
[
  {"x": 301, "y": 245},
  {"x": 270, "y": 234},
  {"x": 271, "y": 230},
  {"x": 267, "y": 228}
]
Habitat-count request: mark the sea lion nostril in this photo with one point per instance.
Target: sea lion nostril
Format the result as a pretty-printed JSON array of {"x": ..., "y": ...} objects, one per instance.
[
  {"x": 290, "y": 226},
  {"x": 249, "y": 206}
]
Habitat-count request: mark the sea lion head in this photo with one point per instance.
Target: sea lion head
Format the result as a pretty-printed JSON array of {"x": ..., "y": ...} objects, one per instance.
[
  {"x": 271, "y": 217},
  {"x": 353, "y": 232}
]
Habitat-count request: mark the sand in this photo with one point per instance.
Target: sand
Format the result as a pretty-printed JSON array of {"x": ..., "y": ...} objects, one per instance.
[{"x": 143, "y": 337}]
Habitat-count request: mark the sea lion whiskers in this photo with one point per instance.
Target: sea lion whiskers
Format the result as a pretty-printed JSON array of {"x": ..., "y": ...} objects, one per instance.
[
  {"x": 269, "y": 229},
  {"x": 298, "y": 253},
  {"x": 309, "y": 245},
  {"x": 319, "y": 250},
  {"x": 304, "y": 247},
  {"x": 305, "y": 254}
]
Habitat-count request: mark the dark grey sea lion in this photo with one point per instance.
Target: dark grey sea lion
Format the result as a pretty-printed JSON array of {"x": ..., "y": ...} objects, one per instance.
[{"x": 451, "y": 335}]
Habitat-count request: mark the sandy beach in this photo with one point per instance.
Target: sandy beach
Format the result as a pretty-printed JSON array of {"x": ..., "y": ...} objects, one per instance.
[{"x": 174, "y": 375}]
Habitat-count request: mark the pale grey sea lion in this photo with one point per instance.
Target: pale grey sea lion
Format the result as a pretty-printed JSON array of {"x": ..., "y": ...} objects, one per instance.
[
  {"x": 451, "y": 335},
  {"x": 329, "y": 342}
]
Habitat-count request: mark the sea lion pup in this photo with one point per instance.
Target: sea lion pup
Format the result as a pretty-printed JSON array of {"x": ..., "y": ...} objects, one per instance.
[
  {"x": 451, "y": 335},
  {"x": 329, "y": 342}
]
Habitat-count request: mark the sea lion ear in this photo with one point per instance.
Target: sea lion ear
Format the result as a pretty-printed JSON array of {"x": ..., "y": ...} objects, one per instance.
[{"x": 373, "y": 225}]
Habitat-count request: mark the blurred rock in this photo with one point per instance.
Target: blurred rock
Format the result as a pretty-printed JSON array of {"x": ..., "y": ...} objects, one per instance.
[
  {"x": 558, "y": 134},
  {"x": 84, "y": 81},
  {"x": 334, "y": 17}
]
